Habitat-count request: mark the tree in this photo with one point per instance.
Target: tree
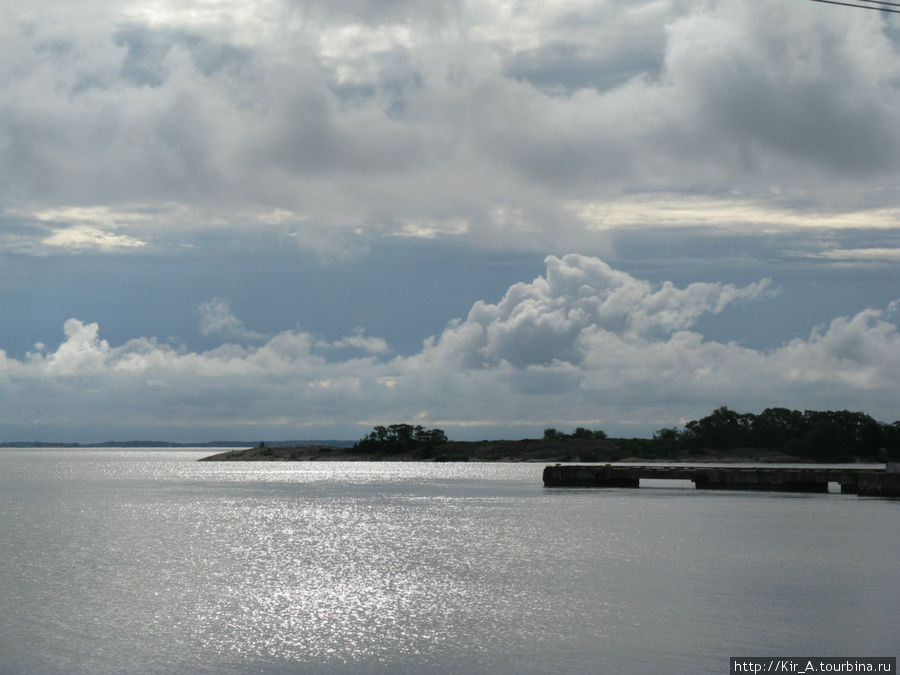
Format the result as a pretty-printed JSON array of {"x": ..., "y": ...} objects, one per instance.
[
  {"x": 668, "y": 435},
  {"x": 399, "y": 438},
  {"x": 820, "y": 434},
  {"x": 776, "y": 426},
  {"x": 588, "y": 434},
  {"x": 551, "y": 434},
  {"x": 723, "y": 428}
]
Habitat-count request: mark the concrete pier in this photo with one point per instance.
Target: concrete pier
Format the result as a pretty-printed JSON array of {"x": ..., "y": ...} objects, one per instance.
[{"x": 865, "y": 482}]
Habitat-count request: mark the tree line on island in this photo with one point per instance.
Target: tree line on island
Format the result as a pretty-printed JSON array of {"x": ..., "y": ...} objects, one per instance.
[
  {"x": 400, "y": 438},
  {"x": 831, "y": 435},
  {"x": 815, "y": 434}
]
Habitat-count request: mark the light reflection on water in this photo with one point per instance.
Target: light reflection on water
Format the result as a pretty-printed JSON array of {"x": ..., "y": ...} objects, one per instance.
[{"x": 150, "y": 561}]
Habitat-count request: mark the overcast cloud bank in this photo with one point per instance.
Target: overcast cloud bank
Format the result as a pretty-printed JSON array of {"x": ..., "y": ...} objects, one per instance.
[
  {"x": 582, "y": 344},
  {"x": 504, "y": 124},
  {"x": 157, "y": 156}
]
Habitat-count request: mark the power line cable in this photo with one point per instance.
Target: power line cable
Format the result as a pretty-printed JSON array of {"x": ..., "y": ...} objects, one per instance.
[
  {"x": 878, "y": 8},
  {"x": 879, "y": 2}
]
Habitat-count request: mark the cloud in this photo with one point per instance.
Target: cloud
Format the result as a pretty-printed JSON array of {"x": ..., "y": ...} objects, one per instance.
[
  {"x": 84, "y": 238},
  {"x": 359, "y": 340},
  {"x": 82, "y": 352},
  {"x": 879, "y": 255},
  {"x": 216, "y": 318},
  {"x": 484, "y": 121},
  {"x": 681, "y": 211},
  {"x": 542, "y": 322},
  {"x": 583, "y": 343}
]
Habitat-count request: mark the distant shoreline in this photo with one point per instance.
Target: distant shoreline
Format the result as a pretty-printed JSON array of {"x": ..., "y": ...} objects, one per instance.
[
  {"x": 527, "y": 450},
  {"x": 24, "y": 445}
]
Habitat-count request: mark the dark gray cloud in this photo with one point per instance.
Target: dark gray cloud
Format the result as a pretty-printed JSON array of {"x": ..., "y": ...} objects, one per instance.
[
  {"x": 386, "y": 12},
  {"x": 359, "y": 119},
  {"x": 789, "y": 91},
  {"x": 594, "y": 46}
]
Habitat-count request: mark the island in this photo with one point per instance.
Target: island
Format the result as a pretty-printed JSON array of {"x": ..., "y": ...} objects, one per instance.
[
  {"x": 525, "y": 450},
  {"x": 777, "y": 435}
]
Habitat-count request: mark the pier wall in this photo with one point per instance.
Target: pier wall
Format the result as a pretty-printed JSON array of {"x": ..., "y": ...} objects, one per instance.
[{"x": 866, "y": 482}]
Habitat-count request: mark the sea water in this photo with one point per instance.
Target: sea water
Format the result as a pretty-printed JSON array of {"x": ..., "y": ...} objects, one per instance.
[{"x": 148, "y": 561}]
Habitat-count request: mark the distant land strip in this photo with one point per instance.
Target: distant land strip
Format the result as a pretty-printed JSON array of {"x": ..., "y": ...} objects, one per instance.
[
  {"x": 526, "y": 450},
  {"x": 167, "y": 444},
  {"x": 775, "y": 435}
]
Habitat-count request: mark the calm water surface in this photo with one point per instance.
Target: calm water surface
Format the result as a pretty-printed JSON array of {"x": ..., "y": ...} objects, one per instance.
[{"x": 147, "y": 561}]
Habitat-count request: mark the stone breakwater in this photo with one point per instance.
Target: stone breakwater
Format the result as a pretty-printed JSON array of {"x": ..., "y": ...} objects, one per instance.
[{"x": 864, "y": 482}]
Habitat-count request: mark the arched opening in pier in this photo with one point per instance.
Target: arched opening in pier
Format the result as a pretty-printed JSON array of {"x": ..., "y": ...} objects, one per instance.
[{"x": 679, "y": 483}]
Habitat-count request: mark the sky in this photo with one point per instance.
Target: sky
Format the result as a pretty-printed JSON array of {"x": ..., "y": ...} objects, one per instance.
[{"x": 296, "y": 219}]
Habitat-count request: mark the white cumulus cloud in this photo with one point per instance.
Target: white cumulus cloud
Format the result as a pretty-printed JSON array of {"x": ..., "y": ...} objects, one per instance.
[
  {"x": 544, "y": 321},
  {"x": 216, "y": 318},
  {"x": 582, "y": 343}
]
